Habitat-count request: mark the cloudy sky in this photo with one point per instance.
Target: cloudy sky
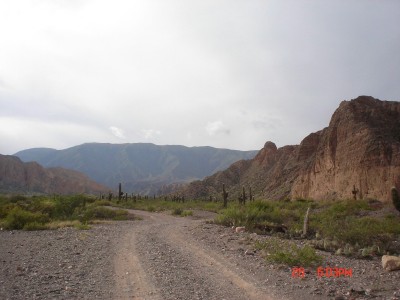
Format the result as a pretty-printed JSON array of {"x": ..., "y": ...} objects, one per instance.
[{"x": 223, "y": 73}]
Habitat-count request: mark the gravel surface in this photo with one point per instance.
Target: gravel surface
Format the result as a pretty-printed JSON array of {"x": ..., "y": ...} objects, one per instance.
[
  {"x": 167, "y": 257},
  {"x": 58, "y": 264}
]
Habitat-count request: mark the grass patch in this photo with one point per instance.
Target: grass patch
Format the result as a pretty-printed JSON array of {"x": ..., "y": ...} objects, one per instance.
[
  {"x": 34, "y": 226},
  {"x": 187, "y": 213},
  {"x": 81, "y": 226},
  {"x": 159, "y": 204},
  {"x": 104, "y": 213},
  {"x": 62, "y": 224},
  {"x": 288, "y": 253},
  {"x": 348, "y": 222},
  {"x": 259, "y": 213}
]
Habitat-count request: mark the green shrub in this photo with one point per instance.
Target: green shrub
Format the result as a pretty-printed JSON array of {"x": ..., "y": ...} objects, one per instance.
[
  {"x": 65, "y": 206},
  {"x": 18, "y": 198},
  {"x": 17, "y": 218},
  {"x": 44, "y": 206},
  {"x": 6, "y": 208},
  {"x": 151, "y": 208},
  {"x": 177, "y": 211}
]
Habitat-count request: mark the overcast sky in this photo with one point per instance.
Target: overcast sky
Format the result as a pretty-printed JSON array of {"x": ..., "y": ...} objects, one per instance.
[{"x": 223, "y": 73}]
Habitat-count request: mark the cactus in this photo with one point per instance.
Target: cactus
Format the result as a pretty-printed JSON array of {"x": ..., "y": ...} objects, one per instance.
[
  {"x": 306, "y": 222},
  {"x": 395, "y": 198},
  {"x": 244, "y": 197},
  {"x": 120, "y": 193},
  {"x": 354, "y": 192},
  {"x": 224, "y": 195},
  {"x": 251, "y": 197}
]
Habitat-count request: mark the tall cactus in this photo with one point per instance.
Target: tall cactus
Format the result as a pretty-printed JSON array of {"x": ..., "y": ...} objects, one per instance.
[
  {"x": 251, "y": 197},
  {"x": 224, "y": 195},
  {"x": 244, "y": 197},
  {"x": 306, "y": 222},
  {"x": 120, "y": 193},
  {"x": 354, "y": 192},
  {"x": 395, "y": 198}
]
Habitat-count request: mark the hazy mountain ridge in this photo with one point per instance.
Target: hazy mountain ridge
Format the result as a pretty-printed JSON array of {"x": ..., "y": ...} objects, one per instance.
[
  {"x": 140, "y": 167},
  {"x": 30, "y": 177},
  {"x": 359, "y": 151}
]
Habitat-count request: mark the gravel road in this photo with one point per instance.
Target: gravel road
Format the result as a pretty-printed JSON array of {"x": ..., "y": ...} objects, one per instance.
[{"x": 167, "y": 257}]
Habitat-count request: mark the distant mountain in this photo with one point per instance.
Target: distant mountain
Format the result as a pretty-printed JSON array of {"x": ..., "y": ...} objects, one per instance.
[
  {"x": 357, "y": 155},
  {"x": 19, "y": 177},
  {"x": 140, "y": 167}
]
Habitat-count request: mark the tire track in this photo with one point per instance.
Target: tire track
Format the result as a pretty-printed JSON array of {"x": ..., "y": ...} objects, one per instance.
[
  {"x": 160, "y": 259},
  {"x": 132, "y": 280}
]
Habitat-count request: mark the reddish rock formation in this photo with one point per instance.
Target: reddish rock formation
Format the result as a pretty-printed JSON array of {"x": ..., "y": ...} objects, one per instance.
[
  {"x": 358, "y": 154},
  {"x": 16, "y": 176},
  {"x": 360, "y": 149}
]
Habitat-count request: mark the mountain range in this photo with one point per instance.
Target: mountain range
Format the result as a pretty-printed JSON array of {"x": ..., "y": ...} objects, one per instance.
[
  {"x": 141, "y": 167},
  {"x": 356, "y": 156},
  {"x": 19, "y": 177}
]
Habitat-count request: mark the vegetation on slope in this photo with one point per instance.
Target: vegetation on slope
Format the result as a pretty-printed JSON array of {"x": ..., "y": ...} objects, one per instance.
[
  {"x": 362, "y": 228},
  {"x": 40, "y": 212}
]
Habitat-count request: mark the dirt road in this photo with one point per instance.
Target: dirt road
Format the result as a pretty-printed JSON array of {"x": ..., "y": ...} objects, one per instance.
[
  {"x": 168, "y": 257},
  {"x": 160, "y": 258}
]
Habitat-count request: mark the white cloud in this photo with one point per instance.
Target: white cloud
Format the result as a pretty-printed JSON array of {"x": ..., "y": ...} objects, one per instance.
[
  {"x": 118, "y": 132},
  {"x": 150, "y": 133},
  {"x": 217, "y": 127}
]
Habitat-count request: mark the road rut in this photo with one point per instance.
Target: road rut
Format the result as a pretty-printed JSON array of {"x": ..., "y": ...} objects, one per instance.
[{"x": 159, "y": 258}]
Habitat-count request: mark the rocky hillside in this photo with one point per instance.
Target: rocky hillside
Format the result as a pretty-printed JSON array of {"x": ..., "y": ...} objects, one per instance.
[
  {"x": 19, "y": 177},
  {"x": 141, "y": 167},
  {"x": 358, "y": 154}
]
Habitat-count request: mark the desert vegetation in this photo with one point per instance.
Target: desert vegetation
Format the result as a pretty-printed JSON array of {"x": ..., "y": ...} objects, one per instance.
[
  {"x": 162, "y": 204},
  {"x": 361, "y": 228},
  {"x": 44, "y": 212}
]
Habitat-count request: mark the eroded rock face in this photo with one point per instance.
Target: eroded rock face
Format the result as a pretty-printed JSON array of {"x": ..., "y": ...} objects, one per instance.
[
  {"x": 16, "y": 176},
  {"x": 358, "y": 154}
]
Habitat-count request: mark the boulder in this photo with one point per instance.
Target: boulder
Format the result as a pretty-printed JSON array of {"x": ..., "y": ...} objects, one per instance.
[
  {"x": 240, "y": 229},
  {"x": 390, "y": 263}
]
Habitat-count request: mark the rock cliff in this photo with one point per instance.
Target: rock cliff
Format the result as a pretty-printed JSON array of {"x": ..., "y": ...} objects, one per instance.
[
  {"x": 357, "y": 155},
  {"x": 19, "y": 177}
]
